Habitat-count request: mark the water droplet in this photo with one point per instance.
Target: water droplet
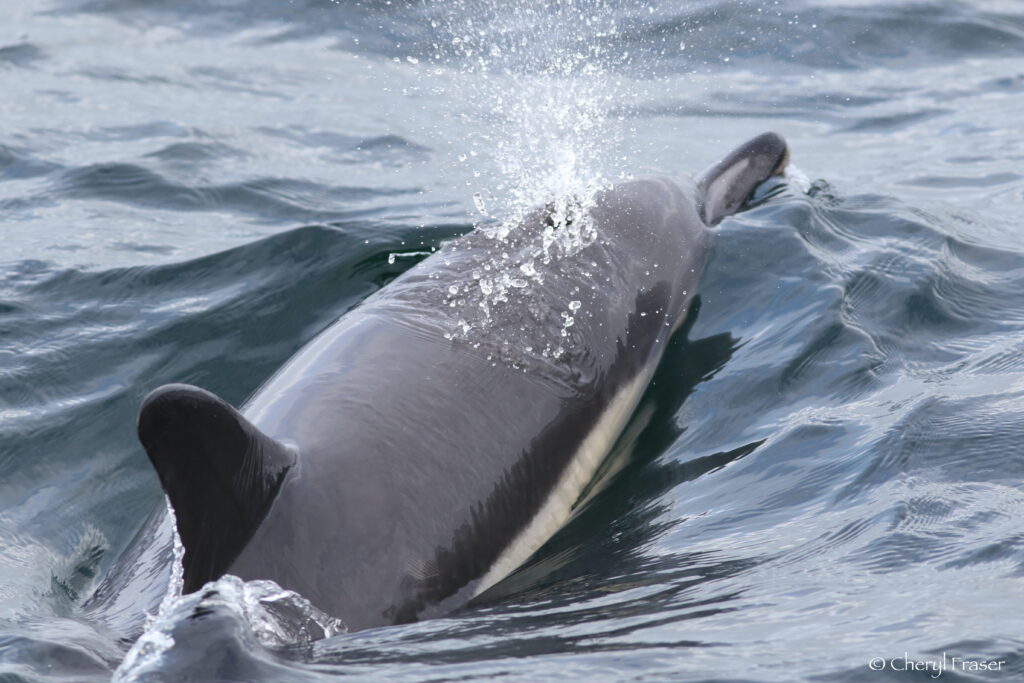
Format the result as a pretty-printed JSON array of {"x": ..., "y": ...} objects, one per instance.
[{"x": 478, "y": 201}]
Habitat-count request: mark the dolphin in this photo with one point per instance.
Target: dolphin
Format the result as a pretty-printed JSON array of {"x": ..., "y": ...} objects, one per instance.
[{"x": 423, "y": 446}]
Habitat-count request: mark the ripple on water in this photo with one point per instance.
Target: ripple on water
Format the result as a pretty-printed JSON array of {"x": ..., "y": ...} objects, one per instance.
[
  {"x": 261, "y": 199},
  {"x": 825, "y": 463},
  {"x": 21, "y": 54}
]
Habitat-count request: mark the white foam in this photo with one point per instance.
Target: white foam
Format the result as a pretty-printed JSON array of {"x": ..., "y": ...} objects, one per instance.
[{"x": 275, "y": 618}]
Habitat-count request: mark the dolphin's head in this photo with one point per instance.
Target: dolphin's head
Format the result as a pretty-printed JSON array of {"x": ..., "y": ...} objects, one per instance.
[{"x": 722, "y": 189}]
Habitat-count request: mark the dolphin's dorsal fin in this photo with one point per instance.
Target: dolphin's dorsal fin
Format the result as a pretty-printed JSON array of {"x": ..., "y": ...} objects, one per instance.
[
  {"x": 220, "y": 473},
  {"x": 722, "y": 189}
]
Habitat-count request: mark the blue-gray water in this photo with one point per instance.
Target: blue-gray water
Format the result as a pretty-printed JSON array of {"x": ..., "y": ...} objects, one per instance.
[{"x": 829, "y": 466}]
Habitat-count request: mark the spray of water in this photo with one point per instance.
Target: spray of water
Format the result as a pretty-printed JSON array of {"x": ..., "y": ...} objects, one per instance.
[
  {"x": 177, "y": 578},
  {"x": 267, "y": 615},
  {"x": 532, "y": 87},
  {"x": 272, "y": 616}
]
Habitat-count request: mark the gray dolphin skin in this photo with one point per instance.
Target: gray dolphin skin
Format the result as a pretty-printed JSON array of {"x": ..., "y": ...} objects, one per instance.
[{"x": 428, "y": 442}]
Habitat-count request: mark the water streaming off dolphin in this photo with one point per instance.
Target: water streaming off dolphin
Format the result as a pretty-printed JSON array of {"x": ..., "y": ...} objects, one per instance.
[{"x": 823, "y": 471}]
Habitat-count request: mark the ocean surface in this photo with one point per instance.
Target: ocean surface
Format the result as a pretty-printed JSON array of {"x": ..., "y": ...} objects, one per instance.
[{"x": 826, "y": 480}]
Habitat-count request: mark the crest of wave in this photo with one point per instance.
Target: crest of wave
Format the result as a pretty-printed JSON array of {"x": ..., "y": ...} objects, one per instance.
[{"x": 531, "y": 87}]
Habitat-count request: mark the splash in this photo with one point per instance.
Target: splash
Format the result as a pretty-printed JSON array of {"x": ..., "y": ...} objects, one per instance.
[
  {"x": 177, "y": 579},
  {"x": 273, "y": 616},
  {"x": 268, "y": 614},
  {"x": 533, "y": 86}
]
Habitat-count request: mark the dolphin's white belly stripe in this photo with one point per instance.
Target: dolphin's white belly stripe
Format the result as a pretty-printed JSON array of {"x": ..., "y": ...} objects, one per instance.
[{"x": 556, "y": 510}]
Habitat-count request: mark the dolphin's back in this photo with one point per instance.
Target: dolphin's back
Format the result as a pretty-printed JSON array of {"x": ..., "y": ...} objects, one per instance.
[
  {"x": 425, "y": 452},
  {"x": 425, "y": 444}
]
